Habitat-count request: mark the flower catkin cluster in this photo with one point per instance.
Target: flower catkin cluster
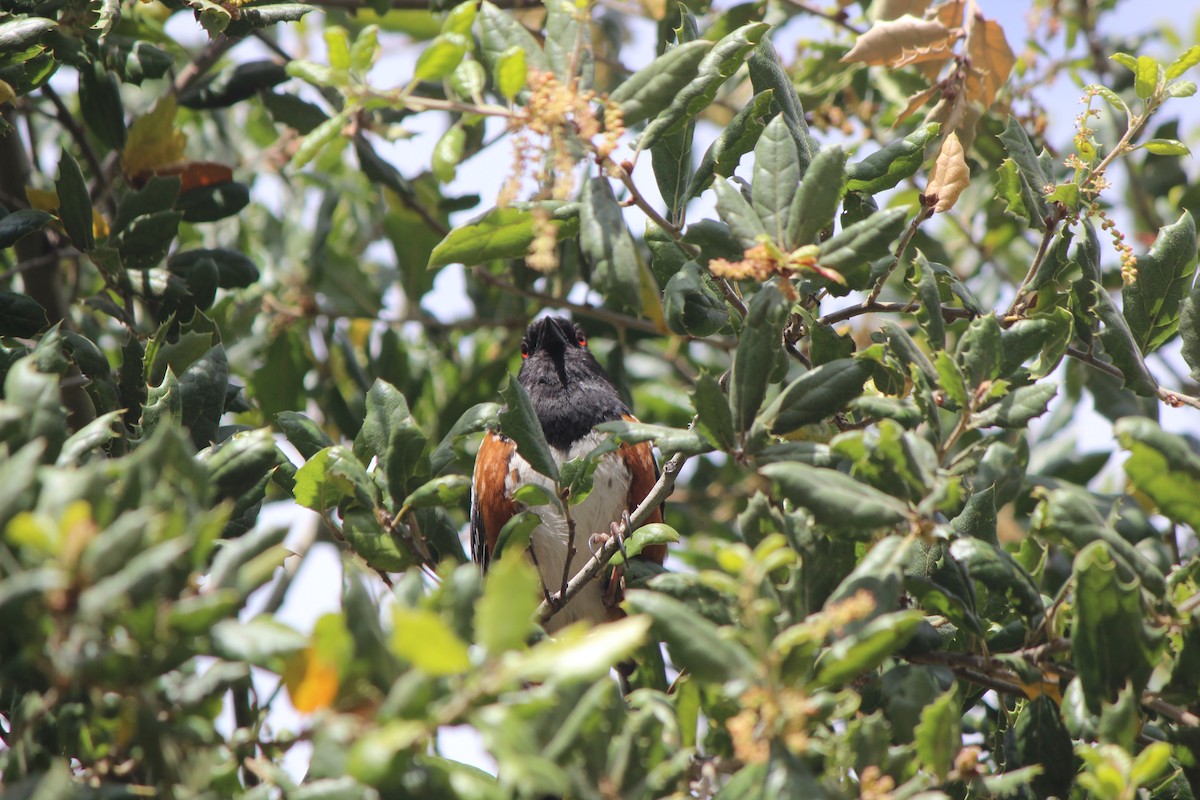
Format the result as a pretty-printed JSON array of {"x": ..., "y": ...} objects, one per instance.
[{"x": 558, "y": 128}]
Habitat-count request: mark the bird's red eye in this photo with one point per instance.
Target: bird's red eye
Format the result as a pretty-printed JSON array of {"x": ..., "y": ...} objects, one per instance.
[
  {"x": 524, "y": 350},
  {"x": 579, "y": 337}
]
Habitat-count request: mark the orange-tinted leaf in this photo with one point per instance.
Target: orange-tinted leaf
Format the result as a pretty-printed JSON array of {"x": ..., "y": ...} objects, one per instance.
[
  {"x": 192, "y": 174},
  {"x": 991, "y": 60},
  {"x": 950, "y": 175},
  {"x": 153, "y": 140},
  {"x": 312, "y": 682},
  {"x": 903, "y": 41}
]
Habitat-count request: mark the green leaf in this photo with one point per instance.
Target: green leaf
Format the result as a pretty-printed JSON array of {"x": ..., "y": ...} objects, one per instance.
[
  {"x": 712, "y": 408},
  {"x": 460, "y": 19},
  {"x": 262, "y": 642},
  {"x": 18, "y": 34},
  {"x": 885, "y": 168},
  {"x": 329, "y": 477},
  {"x": 424, "y": 639},
  {"x": 1042, "y": 740},
  {"x": 365, "y": 50},
  {"x": 390, "y": 434},
  {"x": 448, "y": 152},
  {"x": 211, "y": 203},
  {"x": 21, "y": 315},
  {"x": 1070, "y": 516},
  {"x": 692, "y": 305},
  {"x": 836, "y": 499},
  {"x": 1189, "y": 59},
  {"x": 814, "y": 206},
  {"x": 1044, "y": 336},
  {"x": 668, "y": 440},
  {"x": 21, "y": 223},
  {"x": 776, "y": 179},
  {"x": 671, "y": 157},
  {"x": 440, "y": 57},
  {"x": 444, "y": 490},
  {"x": 234, "y": 84},
  {"x": 504, "y": 615},
  {"x": 315, "y": 141},
  {"x": 567, "y": 42},
  {"x": 755, "y": 357},
  {"x": 656, "y": 85},
  {"x": 500, "y": 233},
  {"x": 100, "y": 104},
  {"x": 939, "y": 735},
  {"x": 1121, "y": 345},
  {"x": 1146, "y": 77},
  {"x": 578, "y": 654},
  {"x": 643, "y": 537},
  {"x": 993, "y": 567},
  {"x": 74, "y": 202},
  {"x": 1029, "y": 170},
  {"x": 239, "y": 462},
  {"x": 1163, "y": 466},
  {"x": 978, "y": 352},
  {"x": 511, "y": 72},
  {"x": 738, "y": 214},
  {"x": 851, "y": 250},
  {"x": 1108, "y": 637},
  {"x": 476, "y": 418},
  {"x": 696, "y": 644},
  {"x": 148, "y": 238},
  {"x": 234, "y": 270},
  {"x": 767, "y": 72},
  {"x": 499, "y": 32},
  {"x": 519, "y": 422},
  {"x": 607, "y": 245},
  {"x": 864, "y": 649},
  {"x": 1166, "y": 147},
  {"x": 816, "y": 395},
  {"x": 717, "y": 65},
  {"x": 737, "y": 139},
  {"x": 1152, "y": 302},
  {"x": 1189, "y": 328}
]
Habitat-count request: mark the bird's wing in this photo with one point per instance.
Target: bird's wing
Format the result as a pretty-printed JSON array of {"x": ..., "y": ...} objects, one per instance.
[
  {"x": 491, "y": 505},
  {"x": 643, "y": 472}
]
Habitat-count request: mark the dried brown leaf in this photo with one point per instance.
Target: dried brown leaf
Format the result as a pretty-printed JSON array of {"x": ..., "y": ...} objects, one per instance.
[
  {"x": 882, "y": 10},
  {"x": 902, "y": 41},
  {"x": 950, "y": 175},
  {"x": 916, "y": 101},
  {"x": 991, "y": 59},
  {"x": 949, "y": 14}
]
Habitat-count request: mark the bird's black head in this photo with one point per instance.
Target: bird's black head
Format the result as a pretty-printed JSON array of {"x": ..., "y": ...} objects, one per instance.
[{"x": 570, "y": 391}]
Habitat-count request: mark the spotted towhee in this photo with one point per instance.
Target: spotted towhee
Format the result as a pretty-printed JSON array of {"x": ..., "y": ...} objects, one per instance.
[{"x": 571, "y": 394}]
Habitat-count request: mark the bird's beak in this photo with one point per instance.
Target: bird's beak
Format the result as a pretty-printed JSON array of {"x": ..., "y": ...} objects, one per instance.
[{"x": 554, "y": 342}]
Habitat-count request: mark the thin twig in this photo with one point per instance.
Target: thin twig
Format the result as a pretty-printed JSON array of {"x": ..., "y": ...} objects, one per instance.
[
  {"x": 949, "y": 313},
  {"x": 838, "y": 17},
  {"x": 925, "y": 213},
  {"x": 662, "y": 488},
  {"x": 1092, "y": 360},
  {"x": 68, "y": 121}
]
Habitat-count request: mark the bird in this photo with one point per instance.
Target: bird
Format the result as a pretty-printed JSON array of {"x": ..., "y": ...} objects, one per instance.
[{"x": 571, "y": 394}]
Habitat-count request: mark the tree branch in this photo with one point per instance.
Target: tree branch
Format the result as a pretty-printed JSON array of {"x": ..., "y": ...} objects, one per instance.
[
  {"x": 949, "y": 313},
  {"x": 658, "y": 494}
]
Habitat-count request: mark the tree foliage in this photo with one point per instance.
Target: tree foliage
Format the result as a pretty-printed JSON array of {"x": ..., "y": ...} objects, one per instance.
[{"x": 901, "y": 566}]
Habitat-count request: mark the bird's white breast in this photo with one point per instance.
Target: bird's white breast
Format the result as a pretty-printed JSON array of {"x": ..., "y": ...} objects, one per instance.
[{"x": 605, "y": 505}]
